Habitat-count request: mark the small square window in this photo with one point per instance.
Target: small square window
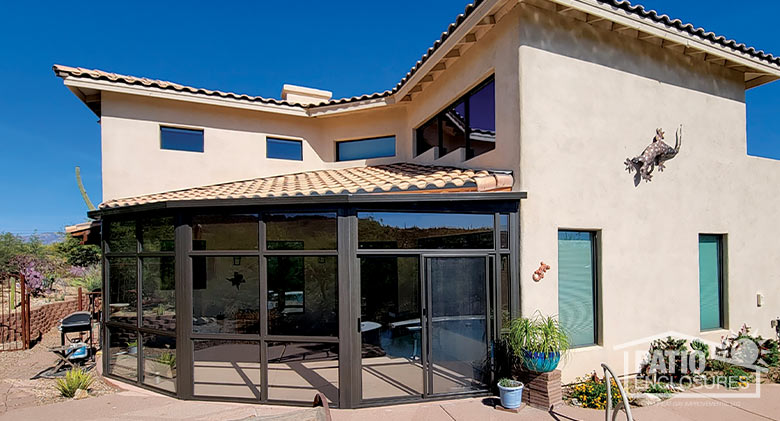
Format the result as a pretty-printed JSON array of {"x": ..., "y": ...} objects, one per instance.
[
  {"x": 284, "y": 149},
  {"x": 380, "y": 147},
  {"x": 177, "y": 139}
]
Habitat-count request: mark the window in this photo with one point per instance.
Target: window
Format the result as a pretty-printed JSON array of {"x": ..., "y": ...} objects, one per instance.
[
  {"x": 181, "y": 139},
  {"x": 577, "y": 286},
  {"x": 380, "y": 147},
  {"x": 224, "y": 296},
  {"x": 711, "y": 314},
  {"x": 284, "y": 149},
  {"x": 469, "y": 122},
  {"x": 407, "y": 230}
]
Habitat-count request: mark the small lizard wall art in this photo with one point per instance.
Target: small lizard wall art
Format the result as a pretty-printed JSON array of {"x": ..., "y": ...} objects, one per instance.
[{"x": 654, "y": 155}]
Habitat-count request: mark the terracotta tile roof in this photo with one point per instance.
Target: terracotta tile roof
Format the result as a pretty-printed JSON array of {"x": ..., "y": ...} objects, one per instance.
[
  {"x": 624, "y": 5},
  {"x": 392, "y": 178}
]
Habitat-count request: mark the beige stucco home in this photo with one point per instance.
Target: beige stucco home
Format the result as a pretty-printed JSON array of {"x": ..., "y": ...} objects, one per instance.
[{"x": 373, "y": 248}]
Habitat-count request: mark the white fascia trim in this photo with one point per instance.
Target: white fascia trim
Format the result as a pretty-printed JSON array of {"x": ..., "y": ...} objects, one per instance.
[
  {"x": 153, "y": 92},
  {"x": 661, "y": 31},
  {"x": 349, "y": 107}
]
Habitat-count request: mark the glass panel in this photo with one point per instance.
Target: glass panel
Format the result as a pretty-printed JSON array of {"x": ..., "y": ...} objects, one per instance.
[
  {"x": 506, "y": 292},
  {"x": 458, "y": 336},
  {"x": 158, "y": 289},
  {"x": 302, "y": 295},
  {"x": 391, "y": 329},
  {"x": 160, "y": 361},
  {"x": 399, "y": 230},
  {"x": 300, "y": 231},
  {"x": 229, "y": 369},
  {"x": 709, "y": 282},
  {"x": 453, "y": 128},
  {"x": 225, "y": 296},
  {"x": 224, "y": 232},
  {"x": 123, "y": 353},
  {"x": 367, "y": 148},
  {"x": 482, "y": 119},
  {"x": 576, "y": 297},
  {"x": 181, "y": 139},
  {"x": 122, "y": 290},
  {"x": 284, "y": 149},
  {"x": 296, "y": 371},
  {"x": 157, "y": 234},
  {"x": 504, "y": 231},
  {"x": 121, "y": 237},
  {"x": 428, "y": 135}
]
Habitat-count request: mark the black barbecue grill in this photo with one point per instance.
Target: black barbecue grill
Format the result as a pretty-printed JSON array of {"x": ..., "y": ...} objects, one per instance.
[{"x": 78, "y": 322}]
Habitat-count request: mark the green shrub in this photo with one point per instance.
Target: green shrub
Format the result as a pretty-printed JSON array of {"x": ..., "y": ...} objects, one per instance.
[
  {"x": 90, "y": 279},
  {"x": 168, "y": 358},
  {"x": 658, "y": 388},
  {"x": 77, "y": 254},
  {"x": 74, "y": 379}
]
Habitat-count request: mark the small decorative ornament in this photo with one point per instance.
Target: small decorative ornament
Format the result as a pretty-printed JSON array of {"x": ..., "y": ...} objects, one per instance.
[
  {"x": 237, "y": 280},
  {"x": 539, "y": 273},
  {"x": 655, "y": 154}
]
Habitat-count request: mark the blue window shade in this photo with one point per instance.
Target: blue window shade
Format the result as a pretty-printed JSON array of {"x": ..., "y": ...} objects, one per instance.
[
  {"x": 380, "y": 147},
  {"x": 181, "y": 139},
  {"x": 710, "y": 282},
  {"x": 284, "y": 149},
  {"x": 576, "y": 286}
]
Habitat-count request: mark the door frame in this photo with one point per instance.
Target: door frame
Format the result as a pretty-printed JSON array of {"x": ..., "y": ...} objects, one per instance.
[{"x": 426, "y": 303}]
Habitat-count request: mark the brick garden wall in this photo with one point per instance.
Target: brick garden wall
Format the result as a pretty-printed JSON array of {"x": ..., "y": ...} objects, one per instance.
[{"x": 43, "y": 318}]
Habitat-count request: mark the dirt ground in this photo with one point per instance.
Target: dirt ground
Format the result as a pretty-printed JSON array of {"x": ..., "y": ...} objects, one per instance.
[{"x": 17, "y": 390}]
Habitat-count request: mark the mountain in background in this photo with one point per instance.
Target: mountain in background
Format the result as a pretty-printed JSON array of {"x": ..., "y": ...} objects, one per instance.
[{"x": 45, "y": 237}]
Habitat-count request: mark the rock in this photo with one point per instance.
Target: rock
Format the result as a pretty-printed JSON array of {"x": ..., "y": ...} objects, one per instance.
[
  {"x": 576, "y": 402},
  {"x": 81, "y": 394},
  {"x": 677, "y": 388},
  {"x": 643, "y": 399}
]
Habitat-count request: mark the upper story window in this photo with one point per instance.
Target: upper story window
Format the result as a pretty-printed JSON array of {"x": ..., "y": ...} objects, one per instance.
[
  {"x": 284, "y": 149},
  {"x": 469, "y": 122},
  {"x": 177, "y": 139},
  {"x": 379, "y": 147}
]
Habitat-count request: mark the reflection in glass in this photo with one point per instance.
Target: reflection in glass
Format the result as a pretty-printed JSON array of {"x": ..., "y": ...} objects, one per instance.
[
  {"x": 506, "y": 291},
  {"x": 453, "y": 128},
  {"x": 120, "y": 237},
  {"x": 158, "y": 301},
  {"x": 160, "y": 361},
  {"x": 391, "y": 329},
  {"x": 157, "y": 234},
  {"x": 399, "y": 230},
  {"x": 428, "y": 136},
  {"x": 224, "y": 232},
  {"x": 123, "y": 353},
  {"x": 225, "y": 296},
  {"x": 504, "y": 230},
  {"x": 459, "y": 353},
  {"x": 296, "y": 371},
  {"x": 300, "y": 231},
  {"x": 122, "y": 290},
  {"x": 482, "y": 120},
  {"x": 228, "y": 369},
  {"x": 302, "y": 295}
]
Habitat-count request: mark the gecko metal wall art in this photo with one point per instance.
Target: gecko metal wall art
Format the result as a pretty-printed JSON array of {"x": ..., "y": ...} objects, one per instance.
[{"x": 654, "y": 155}]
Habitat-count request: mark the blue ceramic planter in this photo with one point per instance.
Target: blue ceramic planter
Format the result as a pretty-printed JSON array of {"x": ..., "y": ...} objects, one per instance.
[
  {"x": 511, "y": 397},
  {"x": 541, "y": 362}
]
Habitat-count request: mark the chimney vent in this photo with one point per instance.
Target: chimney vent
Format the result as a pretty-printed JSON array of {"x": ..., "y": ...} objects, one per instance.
[{"x": 304, "y": 96}]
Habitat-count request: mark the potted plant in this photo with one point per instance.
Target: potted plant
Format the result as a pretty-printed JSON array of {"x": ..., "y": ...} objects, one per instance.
[
  {"x": 132, "y": 347},
  {"x": 511, "y": 393},
  {"x": 538, "y": 342}
]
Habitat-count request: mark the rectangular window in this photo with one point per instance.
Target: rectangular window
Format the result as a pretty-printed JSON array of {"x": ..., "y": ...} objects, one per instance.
[
  {"x": 711, "y": 282},
  {"x": 409, "y": 230},
  {"x": 469, "y": 122},
  {"x": 577, "y": 286},
  {"x": 380, "y": 147},
  {"x": 284, "y": 149},
  {"x": 230, "y": 302},
  {"x": 177, "y": 139}
]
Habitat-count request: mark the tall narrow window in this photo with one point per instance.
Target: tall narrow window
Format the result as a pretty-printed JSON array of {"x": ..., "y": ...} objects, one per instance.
[
  {"x": 177, "y": 139},
  {"x": 711, "y": 282},
  {"x": 577, "y": 286}
]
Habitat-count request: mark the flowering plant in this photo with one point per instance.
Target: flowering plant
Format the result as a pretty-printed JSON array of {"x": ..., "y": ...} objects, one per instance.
[
  {"x": 39, "y": 274},
  {"x": 591, "y": 392}
]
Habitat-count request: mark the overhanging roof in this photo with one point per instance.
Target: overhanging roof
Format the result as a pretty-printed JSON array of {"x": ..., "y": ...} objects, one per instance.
[
  {"x": 620, "y": 17},
  {"x": 393, "y": 179}
]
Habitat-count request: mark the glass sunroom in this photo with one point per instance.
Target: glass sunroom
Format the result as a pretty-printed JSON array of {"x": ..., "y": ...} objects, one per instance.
[{"x": 367, "y": 298}]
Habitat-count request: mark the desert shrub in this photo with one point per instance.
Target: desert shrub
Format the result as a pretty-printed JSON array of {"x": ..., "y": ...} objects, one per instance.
[
  {"x": 591, "y": 392},
  {"x": 89, "y": 278},
  {"x": 768, "y": 352},
  {"x": 658, "y": 354},
  {"x": 77, "y": 254},
  {"x": 657, "y": 388},
  {"x": 168, "y": 358},
  {"x": 74, "y": 379},
  {"x": 12, "y": 246},
  {"x": 40, "y": 273},
  {"x": 731, "y": 377}
]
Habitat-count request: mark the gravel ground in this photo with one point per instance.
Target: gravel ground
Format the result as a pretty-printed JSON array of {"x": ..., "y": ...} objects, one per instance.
[{"x": 17, "y": 390}]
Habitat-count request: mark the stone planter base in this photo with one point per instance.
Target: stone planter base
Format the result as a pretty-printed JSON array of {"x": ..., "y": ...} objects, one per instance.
[{"x": 542, "y": 390}]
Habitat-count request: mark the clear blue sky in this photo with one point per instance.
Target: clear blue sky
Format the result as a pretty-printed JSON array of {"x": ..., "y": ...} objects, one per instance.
[{"x": 349, "y": 47}]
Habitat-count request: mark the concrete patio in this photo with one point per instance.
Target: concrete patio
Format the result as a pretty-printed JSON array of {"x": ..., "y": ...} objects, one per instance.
[{"x": 136, "y": 404}]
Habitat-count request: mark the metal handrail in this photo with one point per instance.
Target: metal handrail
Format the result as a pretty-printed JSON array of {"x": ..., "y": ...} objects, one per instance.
[{"x": 626, "y": 406}]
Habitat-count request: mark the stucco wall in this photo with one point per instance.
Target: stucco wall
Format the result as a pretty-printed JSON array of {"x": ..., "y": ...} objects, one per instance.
[{"x": 591, "y": 99}]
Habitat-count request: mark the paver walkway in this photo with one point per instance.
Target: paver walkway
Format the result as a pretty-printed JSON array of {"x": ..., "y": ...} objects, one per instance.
[{"x": 137, "y": 404}]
